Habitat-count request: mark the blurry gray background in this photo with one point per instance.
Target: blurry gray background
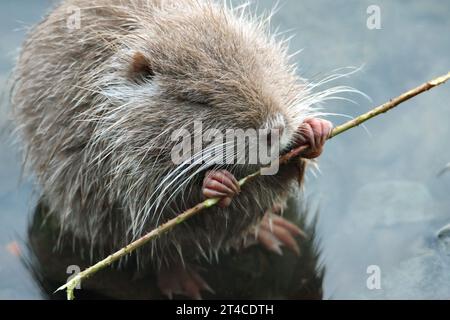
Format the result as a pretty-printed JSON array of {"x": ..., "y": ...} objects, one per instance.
[{"x": 380, "y": 199}]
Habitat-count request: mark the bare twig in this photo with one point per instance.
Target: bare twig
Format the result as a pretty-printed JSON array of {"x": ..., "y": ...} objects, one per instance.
[{"x": 73, "y": 282}]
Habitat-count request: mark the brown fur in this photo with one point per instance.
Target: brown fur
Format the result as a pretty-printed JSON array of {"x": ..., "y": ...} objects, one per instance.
[{"x": 98, "y": 141}]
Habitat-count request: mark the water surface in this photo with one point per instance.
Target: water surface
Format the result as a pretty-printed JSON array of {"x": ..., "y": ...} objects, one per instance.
[{"x": 380, "y": 198}]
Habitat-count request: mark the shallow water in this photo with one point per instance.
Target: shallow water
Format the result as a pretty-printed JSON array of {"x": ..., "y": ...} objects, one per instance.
[{"x": 380, "y": 198}]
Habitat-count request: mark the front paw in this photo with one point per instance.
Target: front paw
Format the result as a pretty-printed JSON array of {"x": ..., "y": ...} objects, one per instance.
[
  {"x": 182, "y": 280},
  {"x": 314, "y": 133},
  {"x": 220, "y": 184}
]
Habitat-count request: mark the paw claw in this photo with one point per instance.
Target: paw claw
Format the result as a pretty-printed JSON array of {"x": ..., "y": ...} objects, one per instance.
[
  {"x": 182, "y": 281},
  {"x": 275, "y": 231},
  {"x": 276, "y": 249},
  {"x": 269, "y": 241},
  {"x": 220, "y": 184},
  {"x": 210, "y": 193},
  {"x": 292, "y": 228},
  {"x": 314, "y": 132}
]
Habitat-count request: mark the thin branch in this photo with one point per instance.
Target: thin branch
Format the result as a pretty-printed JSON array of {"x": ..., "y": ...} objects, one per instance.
[{"x": 73, "y": 282}]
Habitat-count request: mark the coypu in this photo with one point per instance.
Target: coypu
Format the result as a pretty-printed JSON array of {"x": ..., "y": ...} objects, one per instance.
[{"x": 96, "y": 106}]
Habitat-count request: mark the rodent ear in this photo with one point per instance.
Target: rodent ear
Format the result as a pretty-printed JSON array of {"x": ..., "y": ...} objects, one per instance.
[{"x": 140, "y": 68}]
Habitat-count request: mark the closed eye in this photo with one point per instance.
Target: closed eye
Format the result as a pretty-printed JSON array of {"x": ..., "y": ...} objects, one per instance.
[{"x": 195, "y": 100}]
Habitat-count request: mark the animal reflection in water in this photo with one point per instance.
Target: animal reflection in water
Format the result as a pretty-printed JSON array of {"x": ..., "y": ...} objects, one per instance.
[{"x": 252, "y": 273}]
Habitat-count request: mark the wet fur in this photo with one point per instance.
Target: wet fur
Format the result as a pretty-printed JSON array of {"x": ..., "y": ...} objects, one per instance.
[{"x": 95, "y": 119}]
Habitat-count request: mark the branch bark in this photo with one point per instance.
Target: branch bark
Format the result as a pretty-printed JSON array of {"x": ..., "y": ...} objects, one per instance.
[{"x": 73, "y": 282}]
